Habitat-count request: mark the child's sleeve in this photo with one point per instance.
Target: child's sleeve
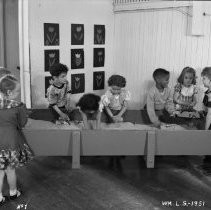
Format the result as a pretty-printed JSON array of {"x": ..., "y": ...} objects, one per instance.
[
  {"x": 105, "y": 99},
  {"x": 177, "y": 88},
  {"x": 101, "y": 106},
  {"x": 151, "y": 108},
  {"x": 169, "y": 103},
  {"x": 22, "y": 116},
  {"x": 127, "y": 96},
  {"x": 52, "y": 97}
]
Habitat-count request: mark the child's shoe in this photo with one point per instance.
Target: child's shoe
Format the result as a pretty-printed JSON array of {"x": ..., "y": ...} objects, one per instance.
[
  {"x": 2, "y": 201},
  {"x": 18, "y": 194}
]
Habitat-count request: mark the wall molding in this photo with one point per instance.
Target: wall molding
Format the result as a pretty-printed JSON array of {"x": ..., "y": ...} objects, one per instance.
[
  {"x": 25, "y": 74},
  {"x": 128, "y": 5}
]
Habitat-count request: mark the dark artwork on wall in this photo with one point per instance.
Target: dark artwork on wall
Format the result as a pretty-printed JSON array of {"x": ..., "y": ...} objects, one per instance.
[
  {"x": 98, "y": 80},
  {"x": 99, "y": 57},
  {"x": 77, "y": 83},
  {"x": 77, "y": 34},
  {"x": 47, "y": 84},
  {"x": 51, "y": 34},
  {"x": 51, "y": 58},
  {"x": 99, "y": 34},
  {"x": 77, "y": 58}
]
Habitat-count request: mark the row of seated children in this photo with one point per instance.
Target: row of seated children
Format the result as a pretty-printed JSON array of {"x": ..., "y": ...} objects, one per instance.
[
  {"x": 161, "y": 106},
  {"x": 91, "y": 106},
  {"x": 179, "y": 108}
]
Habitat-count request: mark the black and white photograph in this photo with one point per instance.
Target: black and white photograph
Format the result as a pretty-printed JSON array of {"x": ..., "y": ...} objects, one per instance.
[
  {"x": 51, "y": 58},
  {"x": 77, "y": 34},
  {"x": 51, "y": 34},
  {"x": 105, "y": 105},
  {"x": 77, "y": 58}
]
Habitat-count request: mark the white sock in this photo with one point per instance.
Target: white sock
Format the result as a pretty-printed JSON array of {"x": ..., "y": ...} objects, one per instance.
[
  {"x": 1, "y": 196},
  {"x": 13, "y": 192}
]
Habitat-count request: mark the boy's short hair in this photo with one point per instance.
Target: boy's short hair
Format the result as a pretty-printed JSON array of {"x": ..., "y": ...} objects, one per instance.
[
  {"x": 4, "y": 71},
  {"x": 57, "y": 69},
  {"x": 159, "y": 73},
  {"x": 206, "y": 72},
  {"x": 117, "y": 80},
  {"x": 89, "y": 102},
  {"x": 184, "y": 71},
  {"x": 7, "y": 82}
]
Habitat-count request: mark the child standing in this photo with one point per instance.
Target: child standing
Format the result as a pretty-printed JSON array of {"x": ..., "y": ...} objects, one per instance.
[
  {"x": 58, "y": 92},
  {"x": 14, "y": 151},
  {"x": 90, "y": 109},
  {"x": 159, "y": 99},
  {"x": 185, "y": 91},
  {"x": 116, "y": 98},
  {"x": 206, "y": 78}
]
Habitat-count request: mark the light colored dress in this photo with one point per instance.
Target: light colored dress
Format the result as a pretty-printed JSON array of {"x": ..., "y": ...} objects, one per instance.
[
  {"x": 186, "y": 95},
  {"x": 115, "y": 102}
]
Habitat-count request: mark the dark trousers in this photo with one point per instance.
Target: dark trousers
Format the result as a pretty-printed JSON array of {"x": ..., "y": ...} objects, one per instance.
[{"x": 165, "y": 117}]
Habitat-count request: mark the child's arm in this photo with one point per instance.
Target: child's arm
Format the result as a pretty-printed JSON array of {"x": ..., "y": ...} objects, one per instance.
[
  {"x": 193, "y": 103},
  {"x": 151, "y": 110},
  {"x": 84, "y": 118},
  {"x": 127, "y": 97},
  {"x": 22, "y": 115},
  {"x": 69, "y": 91},
  {"x": 98, "y": 119},
  {"x": 61, "y": 114},
  {"x": 108, "y": 111},
  {"x": 169, "y": 106},
  {"x": 123, "y": 110},
  {"x": 105, "y": 101},
  {"x": 208, "y": 119},
  {"x": 52, "y": 99}
]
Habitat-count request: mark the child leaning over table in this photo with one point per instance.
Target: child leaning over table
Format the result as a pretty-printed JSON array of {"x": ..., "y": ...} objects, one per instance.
[{"x": 90, "y": 109}]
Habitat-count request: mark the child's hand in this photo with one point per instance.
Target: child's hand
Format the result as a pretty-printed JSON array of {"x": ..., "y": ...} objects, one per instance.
[
  {"x": 117, "y": 118},
  {"x": 157, "y": 124},
  {"x": 64, "y": 116}
]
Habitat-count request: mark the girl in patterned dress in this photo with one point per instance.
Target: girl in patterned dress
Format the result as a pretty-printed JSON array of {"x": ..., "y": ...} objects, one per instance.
[
  {"x": 185, "y": 94},
  {"x": 14, "y": 151},
  {"x": 116, "y": 99}
]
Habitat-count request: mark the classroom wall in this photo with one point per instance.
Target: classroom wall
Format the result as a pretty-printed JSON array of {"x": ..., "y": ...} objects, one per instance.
[
  {"x": 66, "y": 12},
  {"x": 148, "y": 39},
  {"x": 10, "y": 36}
]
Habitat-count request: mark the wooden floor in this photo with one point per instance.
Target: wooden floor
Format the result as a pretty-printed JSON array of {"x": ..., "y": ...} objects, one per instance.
[{"x": 49, "y": 183}]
